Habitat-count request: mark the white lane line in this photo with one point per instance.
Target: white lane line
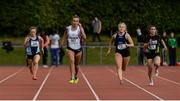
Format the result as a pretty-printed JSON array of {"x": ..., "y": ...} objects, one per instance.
[
  {"x": 169, "y": 80},
  {"x": 91, "y": 88},
  {"x": 10, "y": 76},
  {"x": 40, "y": 88},
  {"x": 157, "y": 97},
  {"x": 160, "y": 77}
]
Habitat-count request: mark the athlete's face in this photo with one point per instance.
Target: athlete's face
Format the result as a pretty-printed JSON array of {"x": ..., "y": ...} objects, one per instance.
[
  {"x": 122, "y": 28},
  {"x": 75, "y": 22},
  {"x": 33, "y": 32},
  {"x": 152, "y": 30}
]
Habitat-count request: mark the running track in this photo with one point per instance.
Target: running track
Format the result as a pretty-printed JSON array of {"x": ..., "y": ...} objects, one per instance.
[{"x": 95, "y": 83}]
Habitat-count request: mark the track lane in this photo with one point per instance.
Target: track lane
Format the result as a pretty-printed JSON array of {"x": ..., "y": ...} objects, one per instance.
[
  {"x": 21, "y": 86},
  {"x": 107, "y": 86},
  {"x": 162, "y": 88},
  {"x": 5, "y": 71},
  {"x": 58, "y": 88}
]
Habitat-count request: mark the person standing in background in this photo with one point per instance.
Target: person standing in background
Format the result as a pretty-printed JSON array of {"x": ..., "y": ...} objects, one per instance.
[
  {"x": 163, "y": 51},
  {"x": 61, "y": 55},
  {"x": 46, "y": 45},
  {"x": 96, "y": 24},
  {"x": 54, "y": 44},
  {"x": 172, "y": 44},
  {"x": 140, "y": 51}
]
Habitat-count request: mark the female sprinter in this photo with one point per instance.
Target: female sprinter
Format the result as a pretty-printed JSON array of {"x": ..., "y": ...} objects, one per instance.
[
  {"x": 74, "y": 35},
  {"x": 122, "y": 42},
  {"x": 33, "y": 43},
  {"x": 151, "y": 45}
]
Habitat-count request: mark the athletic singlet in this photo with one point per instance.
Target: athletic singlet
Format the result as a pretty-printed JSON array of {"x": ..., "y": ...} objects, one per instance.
[
  {"x": 120, "y": 42},
  {"x": 33, "y": 46},
  {"x": 154, "y": 43},
  {"x": 74, "y": 41}
]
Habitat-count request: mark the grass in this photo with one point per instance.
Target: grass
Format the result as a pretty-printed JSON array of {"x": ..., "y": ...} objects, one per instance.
[{"x": 16, "y": 57}]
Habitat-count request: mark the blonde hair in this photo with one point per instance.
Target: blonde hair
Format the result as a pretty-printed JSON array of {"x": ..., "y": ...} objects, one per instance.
[
  {"x": 32, "y": 27},
  {"x": 122, "y": 23}
]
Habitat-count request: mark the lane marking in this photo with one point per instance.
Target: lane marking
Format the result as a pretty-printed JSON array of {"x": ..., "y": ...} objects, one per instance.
[
  {"x": 10, "y": 76},
  {"x": 43, "y": 83},
  {"x": 91, "y": 88},
  {"x": 157, "y": 97},
  {"x": 160, "y": 77}
]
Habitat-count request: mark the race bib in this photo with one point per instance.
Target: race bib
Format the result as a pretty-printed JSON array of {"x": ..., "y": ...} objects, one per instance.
[
  {"x": 34, "y": 43},
  {"x": 121, "y": 46},
  {"x": 152, "y": 47},
  {"x": 74, "y": 42}
]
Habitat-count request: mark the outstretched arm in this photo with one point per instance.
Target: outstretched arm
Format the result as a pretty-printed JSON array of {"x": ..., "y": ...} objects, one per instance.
[
  {"x": 110, "y": 44},
  {"x": 63, "y": 39},
  {"x": 131, "y": 43},
  {"x": 82, "y": 31},
  {"x": 41, "y": 42},
  {"x": 26, "y": 41}
]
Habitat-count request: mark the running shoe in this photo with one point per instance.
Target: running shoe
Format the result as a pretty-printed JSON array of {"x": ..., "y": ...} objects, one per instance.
[
  {"x": 76, "y": 80},
  {"x": 121, "y": 81},
  {"x": 34, "y": 78},
  {"x": 151, "y": 83},
  {"x": 71, "y": 81}
]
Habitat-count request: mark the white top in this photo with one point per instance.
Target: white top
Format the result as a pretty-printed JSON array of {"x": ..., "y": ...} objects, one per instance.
[
  {"x": 74, "y": 41},
  {"x": 54, "y": 40}
]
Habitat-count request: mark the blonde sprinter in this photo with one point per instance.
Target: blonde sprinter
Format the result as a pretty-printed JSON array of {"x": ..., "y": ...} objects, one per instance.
[
  {"x": 122, "y": 42},
  {"x": 152, "y": 45},
  {"x": 33, "y": 43},
  {"x": 74, "y": 35}
]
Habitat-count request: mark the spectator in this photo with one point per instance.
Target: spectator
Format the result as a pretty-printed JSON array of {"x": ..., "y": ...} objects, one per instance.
[
  {"x": 61, "y": 55},
  {"x": 140, "y": 52},
  {"x": 163, "y": 51},
  {"x": 54, "y": 44},
  {"x": 46, "y": 44},
  {"x": 172, "y": 44},
  {"x": 96, "y": 24}
]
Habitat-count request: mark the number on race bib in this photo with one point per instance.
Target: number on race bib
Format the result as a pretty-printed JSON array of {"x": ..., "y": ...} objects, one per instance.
[
  {"x": 34, "y": 43},
  {"x": 152, "y": 47},
  {"x": 121, "y": 46}
]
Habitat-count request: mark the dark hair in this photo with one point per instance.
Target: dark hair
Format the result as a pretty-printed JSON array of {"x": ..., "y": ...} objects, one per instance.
[{"x": 149, "y": 27}]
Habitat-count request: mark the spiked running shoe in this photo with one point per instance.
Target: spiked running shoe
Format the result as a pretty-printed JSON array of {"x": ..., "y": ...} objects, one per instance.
[
  {"x": 71, "y": 81},
  {"x": 76, "y": 80}
]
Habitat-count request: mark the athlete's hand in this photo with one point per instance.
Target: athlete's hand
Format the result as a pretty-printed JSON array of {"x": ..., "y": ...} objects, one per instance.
[
  {"x": 108, "y": 52},
  {"x": 42, "y": 50},
  {"x": 80, "y": 25},
  {"x": 165, "y": 49}
]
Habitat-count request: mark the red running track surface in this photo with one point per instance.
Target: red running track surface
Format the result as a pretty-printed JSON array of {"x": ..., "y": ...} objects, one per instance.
[{"x": 95, "y": 83}]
